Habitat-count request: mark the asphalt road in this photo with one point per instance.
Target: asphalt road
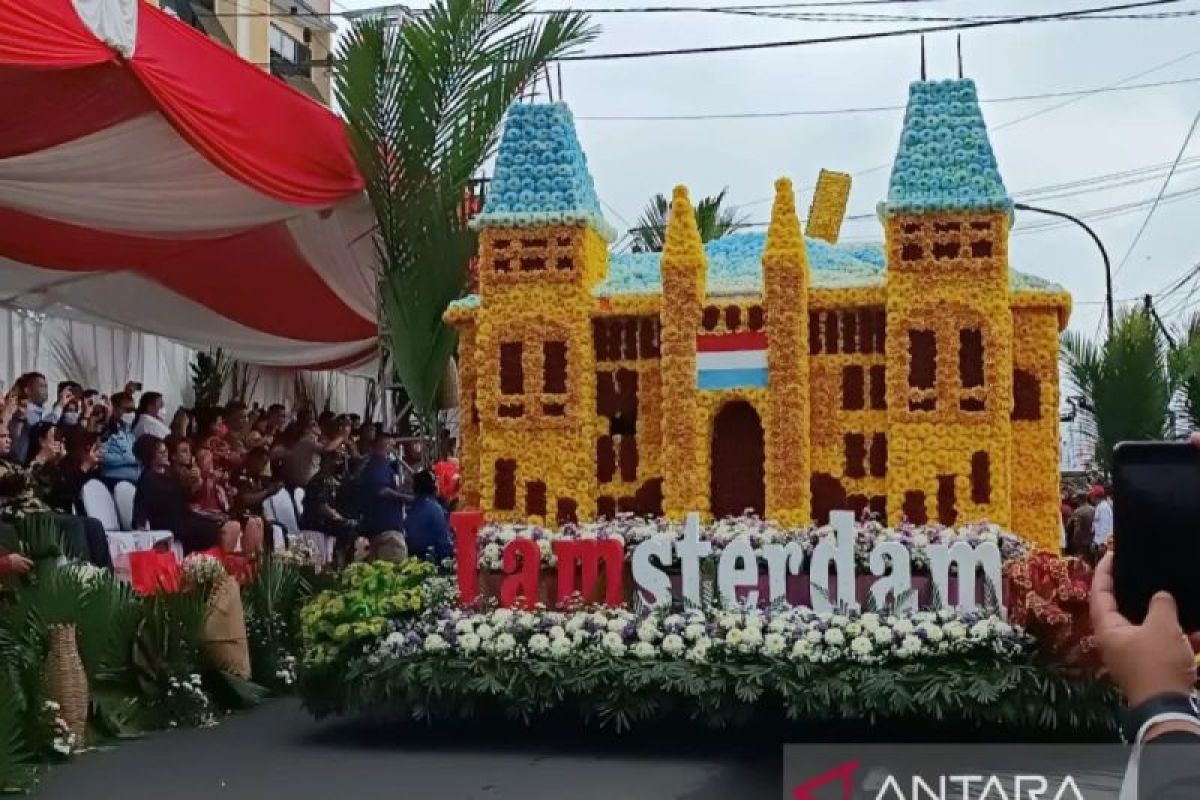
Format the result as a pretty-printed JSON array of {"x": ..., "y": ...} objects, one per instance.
[{"x": 278, "y": 751}]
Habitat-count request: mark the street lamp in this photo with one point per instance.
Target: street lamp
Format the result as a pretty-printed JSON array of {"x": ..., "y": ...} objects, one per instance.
[{"x": 1108, "y": 288}]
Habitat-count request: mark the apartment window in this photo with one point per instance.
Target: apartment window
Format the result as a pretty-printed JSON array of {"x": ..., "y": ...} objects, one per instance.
[
  {"x": 289, "y": 56},
  {"x": 922, "y": 370}
]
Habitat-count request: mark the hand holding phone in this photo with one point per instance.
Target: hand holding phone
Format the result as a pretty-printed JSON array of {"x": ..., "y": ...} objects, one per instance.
[{"x": 1157, "y": 532}]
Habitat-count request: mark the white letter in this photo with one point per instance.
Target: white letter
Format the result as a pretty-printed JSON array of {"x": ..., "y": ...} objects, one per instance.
[
  {"x": 890, "y": 783},
  {"x": 738, "y": 567},
  {"x": 969, "y": 559},
  {"x": 918, "y": 783},
  {"x": 965, "y": 780},
  {"x": 1068, "y": 781},
  {"x": 1036, "y": 780},
  {"x": 839, "y": 548},
  {"x": 690, "y": 550},
  {"x": 898, "y": 582},
  {"x": 650, "y": 579},
  {"x": 993, "y": 781},
  {"x": 782, "y": 559}
]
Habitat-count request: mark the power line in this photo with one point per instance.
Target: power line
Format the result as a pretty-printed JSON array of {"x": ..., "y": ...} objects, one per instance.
[
  {"x": 823, "y": 112},
  {"x": 1161, "y": 191},
  {"x": 856, "y": 37}
]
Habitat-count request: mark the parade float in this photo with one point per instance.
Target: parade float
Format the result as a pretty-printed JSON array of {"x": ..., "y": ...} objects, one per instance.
[{"x": 771, "y": 474}]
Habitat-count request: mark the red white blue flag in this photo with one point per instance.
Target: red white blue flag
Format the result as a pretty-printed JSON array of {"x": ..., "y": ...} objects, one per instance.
[{"x": 731, "y": 360}]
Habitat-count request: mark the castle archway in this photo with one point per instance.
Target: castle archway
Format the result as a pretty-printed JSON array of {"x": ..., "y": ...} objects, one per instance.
[{"x": 737, "y": 461}]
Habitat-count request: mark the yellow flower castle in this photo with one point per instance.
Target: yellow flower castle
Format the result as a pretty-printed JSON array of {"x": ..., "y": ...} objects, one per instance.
[{"x": 785, "y": 374}]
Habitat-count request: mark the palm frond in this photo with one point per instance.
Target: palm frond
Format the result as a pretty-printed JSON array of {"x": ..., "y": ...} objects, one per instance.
[
  {"x": 424, "y": 102},
  {"x": 1185, "y": 369},
  {"x": 713, "y": 219},
  {"x": 16, "y": 774},
  {"x": 1105, "y": 375}
]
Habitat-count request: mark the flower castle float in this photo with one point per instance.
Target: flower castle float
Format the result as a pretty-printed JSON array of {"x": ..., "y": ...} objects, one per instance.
[{"x": 788, "y": 374}]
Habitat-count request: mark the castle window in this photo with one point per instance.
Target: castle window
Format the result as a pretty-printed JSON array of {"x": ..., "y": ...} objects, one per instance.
[
  {"x": 535, "y": 498},
  {"x": 879, "y": 455},
  {"x": 922, "y": 370},
  {"x": 755, "y": 318},
  {"x": 850, "y": 332},
  {"x": 853, "y": 391},
  {"x": 554, "y": 367},
  {"x": 970, "y": 369},
  {"x": 944, "y": 251},
  {"x": 981, "y": 478},
  {"x": 733, "y": 318},
  {"x": 711, "y": 318},
  {"x": 1027, "y": 396},
  {"x": 512, "y": 374},
  {"x": 506, "y": 485},
  {"x": 981, "y": 248},
  {"x": 855, "y": 449},
  {"x": 831, "y": 332},
  {"x": 878, "y": 387},
  {"x": 814, "y": 333},
  {"x": 911, "y": 252}
]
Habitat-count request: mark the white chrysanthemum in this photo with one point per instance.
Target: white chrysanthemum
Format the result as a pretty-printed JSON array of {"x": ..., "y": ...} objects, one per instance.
[
  {"x": 752, "y": 638},
  {"x": 838, "y": 620},
  {"x": 861, "y": 646},
  {"x": 814, "y": 636},
  {"x": 920, "y": 540},
  {"x": 835, "y": 637},
  {"x": 576, "y": 622},
  {"x": 869, "y": 621},
  {"x": 673, "y": 645},
  {"x": 1001, "y": 628},
  {"x": 394, "y": 640},
  {"x": 505, "y": 642},
  {"x": 727, "y": 620},
  {"x": 853, "y": 629},
  {"x": 981, "y": 629},
  {"x": 560, "y": 647},
  {"x": 910, "y": 646},
  {"x": 955, "y": 630},
  {"x": 802, "y": 649},
  {"x": 615, "y": 625},
  {"x": 557, "y": 632},
  {"x": 693, "y": 631},
  {"x": 647, "y": 631},
  {"x": 506, "y": 535},
  {"x": 774, "y": 644},
  {"x": 613, "y": 643},
  {"x": 699, "y": 651},
  {"x": 492, "y": 554},
  {"x": 539, "y": 643},
  {"x": 468, "y": 642},
  {"x": 902, "y": 626},
  {"x": 485, "y": 631},
  {"x": 882, "y": 634},
  {"x": 643, "y": 650},
  {"x": 932, "y": 632},
  {"x": 733, "y": 637},
  {"x": 434, "y": 643},
  {"x": 779, "y": 624},
  {"x": 753, "y": 621},
  {"x": 464, "y": 626},
  {"x": 502, "y": 617},
  {"x": 673, "y": 621}
]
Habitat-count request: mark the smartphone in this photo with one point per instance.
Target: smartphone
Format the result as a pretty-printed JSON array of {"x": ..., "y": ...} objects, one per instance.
[{"x": 1156, "y": 513}]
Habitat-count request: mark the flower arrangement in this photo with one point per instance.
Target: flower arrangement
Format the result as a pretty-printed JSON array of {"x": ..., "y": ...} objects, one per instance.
[
  {"x": 1049, "y": 598},
  {"x": 701, "y": 636},
  {"x": 299, "y": 552},
  {"x": 201, "y": 569},
  {"x": 63, "y": 742},
  {"x": 187, "y": 704},
  {"x": 369, "y": 595},
  {"x": 632, "y": 531}
]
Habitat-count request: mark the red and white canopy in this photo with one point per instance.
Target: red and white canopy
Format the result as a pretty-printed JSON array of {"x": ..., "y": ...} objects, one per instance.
[{"x": 152, "y": 179}]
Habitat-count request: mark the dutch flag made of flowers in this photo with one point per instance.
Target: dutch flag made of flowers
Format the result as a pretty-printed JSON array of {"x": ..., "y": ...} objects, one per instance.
[{"x": 731, "y": 360}]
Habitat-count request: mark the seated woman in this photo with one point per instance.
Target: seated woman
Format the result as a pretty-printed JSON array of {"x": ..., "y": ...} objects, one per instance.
[
  {"x": 161, "y": 503},
  {"x": 320, "y": 504},
  {"x": 426, "y": 525},
  {"x": 79, "y": 465},
  {"x": 23, "y": 492}
]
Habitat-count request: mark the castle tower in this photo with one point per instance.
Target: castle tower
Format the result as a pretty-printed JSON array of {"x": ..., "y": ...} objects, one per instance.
[
  {"x": 684, "y": 272},
  {"x": 949, "y": 325},
  {"x": 785, "y": 296},
  {"x": 542, "y": 245}
]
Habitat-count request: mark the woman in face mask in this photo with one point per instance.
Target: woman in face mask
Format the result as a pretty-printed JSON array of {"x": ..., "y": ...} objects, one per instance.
[
  {"x": 118, "y": 462},
  {"x": 150, "y": 412},
  {"x": 70, "y": 414}
]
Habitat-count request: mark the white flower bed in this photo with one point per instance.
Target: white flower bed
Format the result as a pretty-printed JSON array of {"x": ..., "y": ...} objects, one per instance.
[
  {"x": 796, "y": 634},
  {"x": 632, "y": 531}
]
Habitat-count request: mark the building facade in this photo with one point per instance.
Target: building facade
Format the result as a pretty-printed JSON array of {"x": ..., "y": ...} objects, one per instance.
[
  {"x": 292, "y": 40},
  {"x": 784, "y": 374}
]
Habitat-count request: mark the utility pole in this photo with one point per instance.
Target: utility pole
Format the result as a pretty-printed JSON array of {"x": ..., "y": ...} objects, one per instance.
[
  {"x": 1108, "y": 287},
  {"x": 1153, "y": 312}
]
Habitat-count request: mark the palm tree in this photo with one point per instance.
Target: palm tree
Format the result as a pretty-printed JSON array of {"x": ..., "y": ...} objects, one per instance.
[
  {"x": 1184, "y": 363},
  {"x": 423, "y": 102},
  {"x": 1124, "y": 382},
  {"x": 713, "y": 218}
]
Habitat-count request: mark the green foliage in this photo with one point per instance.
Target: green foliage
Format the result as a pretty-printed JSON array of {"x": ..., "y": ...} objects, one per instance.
[
  {"x": 39, "y": 537},
  {"x": 1124, "y": 382},
  {"x": 210, "y": 372},
  {"x": 713, "y": 218},
  {"x": 336, "y": 623},
  {"x": 272, "y": 603},
  {"x": 423, "y": 104},
  {"x": 15, "y": 771},
  {"x": 995, "y": 694},
  {"x": 1185, "y": 369}
]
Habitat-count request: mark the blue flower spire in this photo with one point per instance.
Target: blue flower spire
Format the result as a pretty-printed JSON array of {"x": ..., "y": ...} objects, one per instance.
[
  {"x": 542, "y": 175},
  {"x": 945, "y": 161}
]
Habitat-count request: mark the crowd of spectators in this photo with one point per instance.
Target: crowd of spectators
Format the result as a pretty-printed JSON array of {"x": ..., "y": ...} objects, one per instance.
[{"x": 204, "y": 474}]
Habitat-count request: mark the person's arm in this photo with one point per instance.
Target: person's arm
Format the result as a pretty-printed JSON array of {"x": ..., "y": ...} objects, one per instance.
[
  {"x": 14, "y": 564},
  {"x": 118, "y": 452}
]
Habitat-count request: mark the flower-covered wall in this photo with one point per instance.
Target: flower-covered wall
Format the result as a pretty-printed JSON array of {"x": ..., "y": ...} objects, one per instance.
[{"x": 786, "y": 374}]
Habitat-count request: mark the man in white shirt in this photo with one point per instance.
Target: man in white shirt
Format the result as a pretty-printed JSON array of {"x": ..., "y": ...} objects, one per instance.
[{"x": 1102, "y": 526}]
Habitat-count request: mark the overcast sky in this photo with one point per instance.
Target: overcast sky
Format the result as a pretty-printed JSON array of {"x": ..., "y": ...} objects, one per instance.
[{"x": 1103, "y": 133}]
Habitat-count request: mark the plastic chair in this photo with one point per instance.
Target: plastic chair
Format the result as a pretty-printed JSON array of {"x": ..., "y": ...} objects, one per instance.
[
  {"x": 298, "y": 497},
  {"x": 124, "y": 493},
  {"x": 283, "y": 510},
  {"x": 98, "y": 504}
]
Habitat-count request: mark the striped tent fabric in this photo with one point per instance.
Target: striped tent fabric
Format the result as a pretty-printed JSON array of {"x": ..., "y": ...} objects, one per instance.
[{"x": 152, "y": 179}]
